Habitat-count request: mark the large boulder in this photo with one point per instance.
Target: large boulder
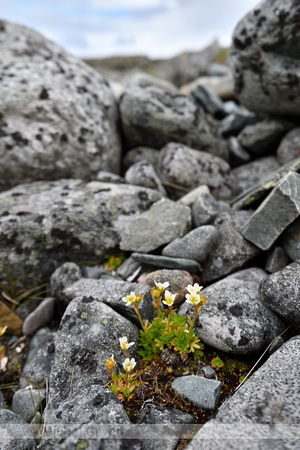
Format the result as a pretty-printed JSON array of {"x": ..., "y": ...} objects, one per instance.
[
  {"x": 58, "y": 117},
  {"x": 153, "y": 117},
  {"x": 265, "y": 58},
  {"x": 45, "y": 224}
]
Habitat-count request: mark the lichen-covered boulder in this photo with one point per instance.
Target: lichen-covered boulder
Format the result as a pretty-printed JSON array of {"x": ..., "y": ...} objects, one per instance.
[
  {"x": 44, "y": 224},
  {"x": 58, "y": 117},
  {"x": 265, "y": 58},
  {"x": 234, "y": 319},
  {"x": 153, "y": 117}
]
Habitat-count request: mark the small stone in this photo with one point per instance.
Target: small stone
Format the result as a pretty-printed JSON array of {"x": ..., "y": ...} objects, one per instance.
[
  {"x": 208, "y": 372},
  {"x": 142, "y": 173},
  {"x": 237, "y": 154},
  {"x": 277, "y": 342},
  {"x": 277, "y": 259},
  {"x": 206, "y": 97},
  {"x": 93, "y": 272},
  {"x": 26, "y": 402},
  {"x": 290, "y": 240},
  {"x": 40, "y": 317},
  {"x": 194, "y": 245},
  {"x": 203, "y": 392},
  {"x": 275, "y": 213},
  {"x": 168, "y": 263},
  {"x": 165, "y": 221}
]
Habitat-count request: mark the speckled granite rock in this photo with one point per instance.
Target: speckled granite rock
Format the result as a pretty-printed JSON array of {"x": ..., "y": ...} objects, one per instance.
[
  {"x": 68, "y": 220},
  {"x": 58, "y": 117},
  {"x": 88, "y": 335},
  {"x": 188, "y": 168},
  {"x": 265, "y": 58},
  {"x": 281, "y": 292},
  {"x": 153, "y": 117},
  {"x": 264, "y": 413},
  {"x": 234, "y": 319},
  {"x": 15, "y": 432}
]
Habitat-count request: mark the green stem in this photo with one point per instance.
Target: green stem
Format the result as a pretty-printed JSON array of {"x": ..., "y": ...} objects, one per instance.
[{"x": 197, "y": 312}]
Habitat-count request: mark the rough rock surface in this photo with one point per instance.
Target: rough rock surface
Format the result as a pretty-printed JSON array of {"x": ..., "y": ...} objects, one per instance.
[
  {"x": 201, "y": 391},
  {"x": 194, "y": 245},
  {"x": 40, "y": 317},
  {"x": 230, "y": 250},
  {"x": 291, "y": 240},
  {"x": 281, "y": 292},
  {"x": 289, "y": 147},
  {"x": 153, "y": 117},
  {"x": 48, "y": 223},
  {"x": 234, "y": 319},
  {"x": 15, "y": 432},
  {"x": 166, "y": 220},
  {"x": 278, "y": 210},
  {"x": 88, "y": 335},
  {"x": 188, "y": 168},
  {"x": 58, "y": 117},
  {"x": 265, "y": 58},
  {"x": 264, "y": 413},
  {"x": 143, "y": 173},
  {"x": 26, "y": 402}
]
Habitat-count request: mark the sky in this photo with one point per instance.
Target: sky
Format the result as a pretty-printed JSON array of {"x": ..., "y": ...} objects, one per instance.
[{"x": 154, "y": 28}]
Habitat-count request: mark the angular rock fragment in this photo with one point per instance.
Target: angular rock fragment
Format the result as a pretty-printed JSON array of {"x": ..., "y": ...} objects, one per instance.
[{"x": 277, "y": 211}]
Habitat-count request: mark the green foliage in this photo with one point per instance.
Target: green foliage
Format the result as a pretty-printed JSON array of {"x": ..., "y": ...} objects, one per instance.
[
  {"x": 114, "y": 261},
  {"x": 123, "y": 385},
  {"x": 169, "y": 331},
  {"x": 217, "y": 363}
]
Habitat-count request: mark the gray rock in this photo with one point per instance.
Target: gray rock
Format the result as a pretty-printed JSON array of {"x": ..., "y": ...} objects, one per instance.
[
  {"x": 204, "y": 208},
  {"x": 217, "y": 70},
  {"x": 263, "y": 136},
  {"x": 277, "y": 342},
  {"x": 45, "y": 224},
  {"x": 39, "y": 359},
  {"x": 208, "y": 372},
  {"x": 127, "y": 268},
  {"x": 203, "y": 392},
  {"x": 255, "y": 192},
  {"x": 143, "y": 80},
  {"x": 165, "y": 221},
  {"x": 93, "y": 272},
  {"x": 277, "y": 259},
  {"x": 62, "y": 277},
  {"x": 15, "y": 432},
  {"x": 222, "y": 85},
  {"x": 230, "y": 251},
  {"x": 234, "y": 319},
  {"x": 234, "y": 123},
  {"x": 91, "y": 415},
  {"x": 108, "y": 177},
  {"x": 153, "y": 117},
  {"x": 281, "y": 292},
  {"x": 143, "y": 173},
  {"x": 291, "y": 240},
  {"x": 2, "y": 401},
  {"x": 27, "y": 402},
  {"x": 141, "y": 154},
  {"x": 289, "y": 147},
  {"x": 206, "y": 97},
  {"x": 111, "y": 293},
  {"x": 27, "y": 308},
  {"x": 265, "y": 58},
  {"x": 251, "y": 173},
  {"x": 194, "y": 245},
  {"x": 264, "y": 413},
  {"x": 275, "y": 213},
  {"x": 188, "y": 168},
  {"x": 237, "y": 154},
  {"x": 167, "y": 262},
  {"x": 58, "y": 118},
  {"x": 154, "y": 413},
  {"x": 88, "y": 335},
  {"x": 40, "y": 317}
]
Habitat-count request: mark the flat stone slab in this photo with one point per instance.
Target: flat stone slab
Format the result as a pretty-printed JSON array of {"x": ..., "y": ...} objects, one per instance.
[
  {"x": 276, "y": 212},
  {"x": 162, "y": 223},
  {"x": 203, "y": 392},
  {"x": 167, "y": 262}
]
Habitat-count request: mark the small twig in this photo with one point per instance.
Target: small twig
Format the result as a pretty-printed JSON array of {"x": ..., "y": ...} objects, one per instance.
[{"x": 176, "y": 186}]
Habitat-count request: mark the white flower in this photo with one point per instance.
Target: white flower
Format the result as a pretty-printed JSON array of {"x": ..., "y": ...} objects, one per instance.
[
  {"x": 129, "y": 365},
  {"x": 130, "y": 299},
  {"x": 195, "y": 289},
  {"x": 124, "y": 344},
  {"x": 193, "y": 298},
  {"x": 161, "y": 286},
  {"x": 169, "y": 298}
]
